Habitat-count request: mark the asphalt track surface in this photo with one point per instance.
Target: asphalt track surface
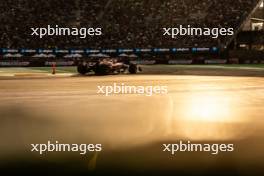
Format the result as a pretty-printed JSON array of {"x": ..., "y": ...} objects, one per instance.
[{"x": 132, "y": 128}]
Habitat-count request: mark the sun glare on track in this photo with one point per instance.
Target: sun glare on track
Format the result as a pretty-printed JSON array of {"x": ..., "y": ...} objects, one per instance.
[{"x": 209, "y": 107}]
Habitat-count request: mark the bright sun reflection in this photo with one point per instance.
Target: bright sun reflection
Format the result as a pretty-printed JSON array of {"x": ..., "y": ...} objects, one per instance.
[
  {"x": 208, "y": 107},
  {"x": 206, "y": 115}
]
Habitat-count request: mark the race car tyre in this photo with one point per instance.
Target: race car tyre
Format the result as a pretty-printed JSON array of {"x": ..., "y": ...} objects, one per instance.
[
  {"x": 82, "y": 68},
  {"x": 132, "y": 69}
]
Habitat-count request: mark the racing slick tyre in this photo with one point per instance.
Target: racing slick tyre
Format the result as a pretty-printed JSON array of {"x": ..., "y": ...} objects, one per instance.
[
  {"x": 132, "y": 68},
  {"x": 82, "y": 68}
]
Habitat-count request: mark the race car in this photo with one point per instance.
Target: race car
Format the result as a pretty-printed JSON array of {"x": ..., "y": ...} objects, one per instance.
[{"x": 107, "y": 67}]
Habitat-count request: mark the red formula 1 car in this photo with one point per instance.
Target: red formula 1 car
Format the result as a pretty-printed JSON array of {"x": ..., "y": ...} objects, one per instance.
[{"x": 107, "y": 67}]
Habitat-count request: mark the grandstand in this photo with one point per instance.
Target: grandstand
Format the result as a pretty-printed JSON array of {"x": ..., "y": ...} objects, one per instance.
[
  {"x": 132, "y": 28},
  {"x": 126, "y": 23}
]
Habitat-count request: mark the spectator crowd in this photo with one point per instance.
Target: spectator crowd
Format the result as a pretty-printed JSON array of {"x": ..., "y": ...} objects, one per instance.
[{"x": 125, "y": 23}]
